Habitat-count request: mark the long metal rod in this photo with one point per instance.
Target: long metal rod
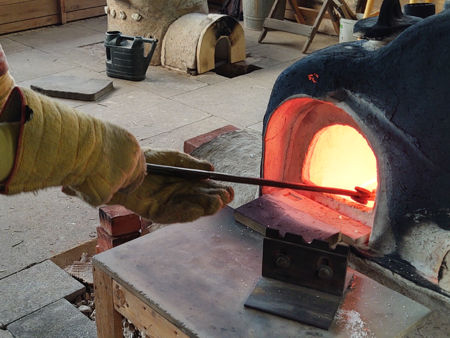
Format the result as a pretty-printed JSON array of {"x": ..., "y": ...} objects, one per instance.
[{"x": 360, "y": 195}]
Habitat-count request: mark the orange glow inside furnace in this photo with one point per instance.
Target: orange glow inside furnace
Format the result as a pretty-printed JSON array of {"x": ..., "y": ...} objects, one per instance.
[{"x": 339, "y": 156}]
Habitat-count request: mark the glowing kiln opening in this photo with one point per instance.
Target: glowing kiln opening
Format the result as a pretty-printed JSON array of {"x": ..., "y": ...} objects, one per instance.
[
  {"x": 339, "y": 156},
  {"x": 317, "y": 142}
]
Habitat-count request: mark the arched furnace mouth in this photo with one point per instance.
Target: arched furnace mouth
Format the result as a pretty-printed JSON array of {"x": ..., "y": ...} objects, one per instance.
[{"x": 396, "y": 99}]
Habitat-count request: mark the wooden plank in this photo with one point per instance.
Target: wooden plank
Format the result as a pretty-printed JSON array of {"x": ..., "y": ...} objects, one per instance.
[
  {"x": 309, "y": 14},
  {"x": 109, "y": 321},
  {"x": 316, "y": 25},
  {"x": 287, "y": 26},
  {"x": 76, "y": 5},
  {"x": 27, "y": 10},
  {"x": 62, "y": 11},
  {"x": 312, "y": 13},
  {"x": 85, "y": 13},
  {"x": 29, "y": 24},
  {"x": 67, "y": 257},
  {"x": 334, "y": 19},
  {"x": 298, "y": 15},
  {"x": 10, "y": 2},
  {"x": 142, "y": 315},
  {"x": 348, "y": 10}
]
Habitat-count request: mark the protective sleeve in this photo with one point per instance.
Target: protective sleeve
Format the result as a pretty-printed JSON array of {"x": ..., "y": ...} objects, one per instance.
[{"x": 9, "y": 133}]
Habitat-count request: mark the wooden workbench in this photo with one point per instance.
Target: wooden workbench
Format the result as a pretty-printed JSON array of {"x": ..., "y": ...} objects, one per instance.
[{"x": 193, "y": 280}]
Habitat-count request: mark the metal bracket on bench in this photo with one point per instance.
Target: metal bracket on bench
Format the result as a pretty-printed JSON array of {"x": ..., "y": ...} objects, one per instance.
[{"x": 300, "y": 281}]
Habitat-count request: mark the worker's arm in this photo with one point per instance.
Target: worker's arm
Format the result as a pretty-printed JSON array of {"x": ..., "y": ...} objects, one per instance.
[
  {"x": 9, "y": 133},
  {"x": 99, "y": 162},
  {"x": 6, "y": 80},
  {"x": 44, "y": 143}
]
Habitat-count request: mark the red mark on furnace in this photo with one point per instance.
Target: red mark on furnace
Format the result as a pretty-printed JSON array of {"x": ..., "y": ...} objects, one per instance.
[{"x": 313, "y": 77}]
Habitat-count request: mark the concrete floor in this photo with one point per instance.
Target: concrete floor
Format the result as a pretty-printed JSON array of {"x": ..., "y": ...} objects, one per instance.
[{"x": 162, "y": 111}]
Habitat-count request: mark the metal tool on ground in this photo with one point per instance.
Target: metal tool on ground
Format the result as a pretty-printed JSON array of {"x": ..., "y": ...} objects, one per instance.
[{"x": 359, "y": 195}]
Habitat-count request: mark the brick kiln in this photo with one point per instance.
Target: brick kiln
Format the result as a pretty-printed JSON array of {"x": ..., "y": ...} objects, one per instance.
[
  {"x": 189, "y": 38},
  {"x": 347, "y": 116}
]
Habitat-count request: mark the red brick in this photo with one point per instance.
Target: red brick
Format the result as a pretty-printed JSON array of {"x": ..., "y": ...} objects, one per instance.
[
  {"x": 118, "y": 220},
  {"x": 105, "y": 241},
  {"x": 195, "y": 142}
]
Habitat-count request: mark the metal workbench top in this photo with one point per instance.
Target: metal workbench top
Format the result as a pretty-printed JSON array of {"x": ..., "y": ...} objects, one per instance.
[{"x": 198, "y": 276}]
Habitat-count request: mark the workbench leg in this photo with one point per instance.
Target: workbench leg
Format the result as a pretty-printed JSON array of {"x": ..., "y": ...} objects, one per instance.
[{"x": 108, "y": 320}]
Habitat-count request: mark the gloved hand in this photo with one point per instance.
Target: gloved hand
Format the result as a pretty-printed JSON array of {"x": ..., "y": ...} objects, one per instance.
[
  {"x": 59, "y": 146},
  {"x": 165, "y": 199},
  {"x": 6, "y": 80}
]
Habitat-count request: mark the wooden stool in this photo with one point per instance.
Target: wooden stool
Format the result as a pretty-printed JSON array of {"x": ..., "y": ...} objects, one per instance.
[{"x": 275, "y": 19}]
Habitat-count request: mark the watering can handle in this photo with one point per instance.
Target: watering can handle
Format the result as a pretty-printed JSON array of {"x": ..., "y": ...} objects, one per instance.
[
  {"x": 139, "y": 39},
  {"x": 152, "y": 48},
  {"x": 136, "y": 39}
]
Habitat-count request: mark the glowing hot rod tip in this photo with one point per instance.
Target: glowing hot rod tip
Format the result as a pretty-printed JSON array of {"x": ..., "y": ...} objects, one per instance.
[{"x": 364, "y": 195}]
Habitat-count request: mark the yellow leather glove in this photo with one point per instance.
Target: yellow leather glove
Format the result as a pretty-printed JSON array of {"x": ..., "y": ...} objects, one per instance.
[
  {"x": 9, "y": 133},
  {"x": 165, "y": 199},
  {"x": 59, "y": 146},
  {"x": 6, "y": 80}
]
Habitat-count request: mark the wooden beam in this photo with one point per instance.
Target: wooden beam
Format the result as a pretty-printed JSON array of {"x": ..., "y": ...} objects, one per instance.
[
  {"x": 29, "y": 24},
  {"x": 85, "y": 13},
  {"x": 287, "y": 26},
  {"x": 76, "y": 5},
  {"x": 26, "y": 10},
  {"x": 62, "y": 11},
  {"x": 298, "y": 15},
  {"x": 334, "y": 19},
  {"x": 315, "y": 27},
  {"x": 143, "y": 316},
  {"x": 108, "y": 320}
]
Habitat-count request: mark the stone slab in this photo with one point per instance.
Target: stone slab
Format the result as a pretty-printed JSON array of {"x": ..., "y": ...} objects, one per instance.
[
  {"x": 205, "y": 275},
  {"x": 35, "y": 228},
  {"x": 174, "y": 139},
  {"x": 72, "y": 87},
  {"x": 144, "y": 114},
  {"x": 56, "y": 320},
  {"x": 242, "y": 100},
  {"x": 30, "y": 64},
  {"x": 34, "y": 288},
  {"x": 5, "y": 334},
  {"x": 168, "y": 83},
  {"x": 58, "y": 41}
]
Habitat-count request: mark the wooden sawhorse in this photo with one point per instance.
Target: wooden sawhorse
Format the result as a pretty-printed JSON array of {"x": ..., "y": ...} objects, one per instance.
[{"x": 275, "y": 19}]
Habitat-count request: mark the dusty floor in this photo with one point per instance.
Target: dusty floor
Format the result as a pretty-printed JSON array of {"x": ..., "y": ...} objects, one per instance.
[{"x": 162, "y": 111}]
